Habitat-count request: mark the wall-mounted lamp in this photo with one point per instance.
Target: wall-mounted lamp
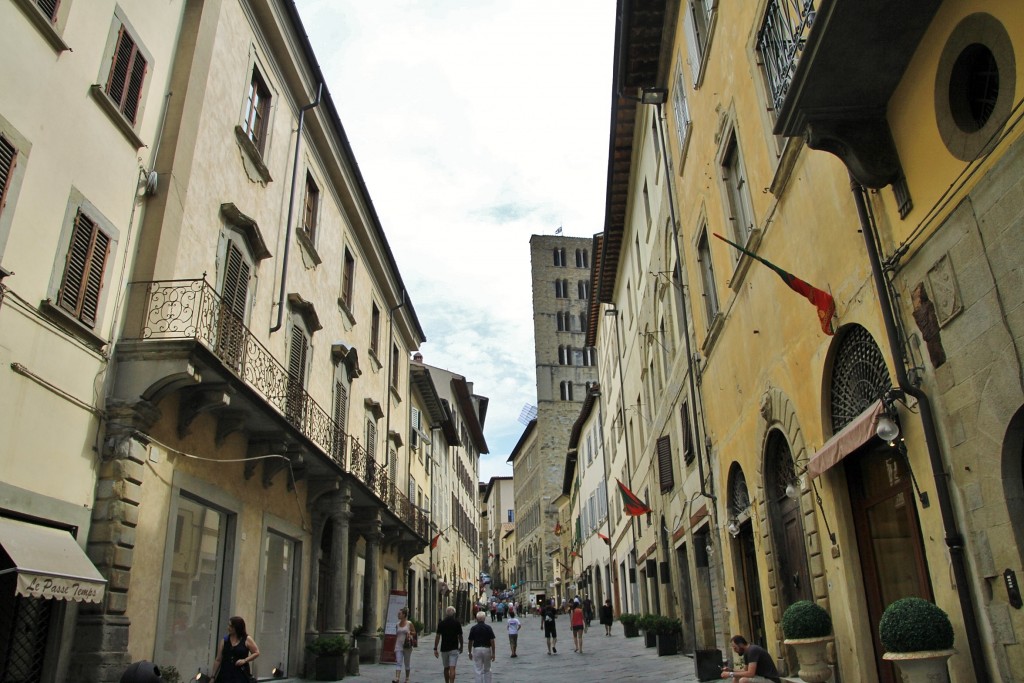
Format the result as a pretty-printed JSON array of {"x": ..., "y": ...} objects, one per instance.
[
  {"x": 709, "y": 549},
  {"x": 792, "y": 492},
  {"x": 278, "y": 672},
  {"x": 653, "y": 95},
  {"x": 202, "y": 678},
  {"x": 734, "y": 528},
  {"x": 887, "y": 429}
]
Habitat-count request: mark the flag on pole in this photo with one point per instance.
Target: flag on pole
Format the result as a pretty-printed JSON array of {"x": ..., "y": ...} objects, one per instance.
[
  {"x": 433, "y": 541},
  {"x": 558, "y": 529},
  {"x": 822, "y": 300},
  {"x": 632, "y": 506},
  {"x": 607, "y": 541},
  {"x": 559, "y": 231}
]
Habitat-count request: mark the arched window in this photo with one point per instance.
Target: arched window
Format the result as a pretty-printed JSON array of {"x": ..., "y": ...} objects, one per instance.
[
  {"x": 582, "y": 259},
  {"x": 565, "y": 390}
]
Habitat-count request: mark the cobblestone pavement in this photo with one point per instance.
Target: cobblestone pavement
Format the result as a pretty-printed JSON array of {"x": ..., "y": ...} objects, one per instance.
[{"x": 604, "y": 658}]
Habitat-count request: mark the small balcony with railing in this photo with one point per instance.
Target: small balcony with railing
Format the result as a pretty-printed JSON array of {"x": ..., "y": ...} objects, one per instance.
[
  {"x": 831, "y": 67},
  {"x": 181, "y": 336}
]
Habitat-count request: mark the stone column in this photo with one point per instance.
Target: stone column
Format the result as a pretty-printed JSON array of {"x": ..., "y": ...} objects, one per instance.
[
  {"x": 319, "y": 521},
  {"x": 341, "y": 513},
  {"x": 371, "y": 587}
]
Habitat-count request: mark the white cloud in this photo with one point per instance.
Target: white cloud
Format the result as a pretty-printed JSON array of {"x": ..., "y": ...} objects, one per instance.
[{"x": 476, "y": 123}]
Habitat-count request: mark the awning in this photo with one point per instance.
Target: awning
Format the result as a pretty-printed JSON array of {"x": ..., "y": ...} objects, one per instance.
[
  {"x": 49, "y": 563},
  {"x": 850, "y": 438}
]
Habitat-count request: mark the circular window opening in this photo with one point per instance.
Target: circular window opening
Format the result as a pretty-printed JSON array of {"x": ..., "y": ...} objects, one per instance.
[{"x": 973, "y": 88}]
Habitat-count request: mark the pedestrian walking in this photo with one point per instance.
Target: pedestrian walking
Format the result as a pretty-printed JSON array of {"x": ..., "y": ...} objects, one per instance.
[
  {"x": 607, "y": 616},
  {"x": 588, "y": 610},
  {"x": 482, "y": 647},
  {"x": 548, "y": 616},
  {"x": 449, "y": 636},
  {"x": 513, "y": 633},
  {"x": 759, "y": 667},
  {"x": 236, "y": 651},
  {"x": 405, "y": 638},
  {"x": 578, "y": 624}
]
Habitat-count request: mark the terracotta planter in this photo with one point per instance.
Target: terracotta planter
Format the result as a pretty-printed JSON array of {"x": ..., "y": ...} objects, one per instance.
[
  {"x": 810, "y": 652},
  {"x": 922, "y": 667}
]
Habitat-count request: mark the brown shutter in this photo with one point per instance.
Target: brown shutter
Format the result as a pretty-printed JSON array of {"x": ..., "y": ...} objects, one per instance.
[
  {"x": 83, "y": 271},
  {"x": 49, "y": 8},
  {"x": 312, "y": 200},
  {"x": 297, "y": 356},
  {"x": 688, "y": 451},
  {"x": 236, "y": 281},
  {"x": 666, "y": 476},
  {"x": 133, "y": 95},
  {"x": 8, "y": 160},
  {"x": 127, "y": 73}
]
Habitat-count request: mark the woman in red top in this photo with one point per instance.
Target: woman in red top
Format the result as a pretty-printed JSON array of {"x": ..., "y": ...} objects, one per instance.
[{"x": 577, "y": 627}]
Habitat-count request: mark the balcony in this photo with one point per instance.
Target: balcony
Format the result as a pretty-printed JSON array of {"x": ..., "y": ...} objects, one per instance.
[
  {"x": 833, "y": 65},
  {"x": 180, "y": 336}
]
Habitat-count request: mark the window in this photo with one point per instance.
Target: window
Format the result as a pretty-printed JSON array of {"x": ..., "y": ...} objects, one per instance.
[
  {"x": 298, "y": 364},
  {"x": 566, "y": 390},
  {"x": 374, "y": 330},
  {"x": 583, "y": 322},
  {"x": 590, "y": 356},
  {"x": 737, "y": 190},
  {"x": 396, "y": 369},
  {"x": 415, "y": 426},
  {"x": 559, "y": 255},
  {"x": 564, "y": 355},
  {"x": 127, "y": 75},
  {"x": 563, "y": 321},
  {"x": 647, "y": 208},
  {"x": 348, "y": 272},
  {"x": 257, "y": 110},
  {"x": 8, "y": 161},
  {"x": 48, "y": 8},
  {"x": 234, "y": 305},
  {"x": 561, "y": 289},
  {"x": 681, "y": 108},
  {"x": 666, "y": 476},
  {"x": 311, "y": 209},
  {"x": 511, "y": 516},
  {"x": 687, "y": 442},
  {"x": 340, "y": 419},
  {"x": 582, "y": 259},
  {"x": 583, "y": 289},
  {"x": 371, "y": 438},
  {"x": 707, "y": 274},
  {"x": 697, "y": 17},
  {"x": 82, "y": 281}
]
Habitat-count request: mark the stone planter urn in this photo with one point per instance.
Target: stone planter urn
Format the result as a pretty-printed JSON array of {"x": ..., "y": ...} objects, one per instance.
[
  {"x": 927, "y": 666},
  {"x": 810, "y": 652}
]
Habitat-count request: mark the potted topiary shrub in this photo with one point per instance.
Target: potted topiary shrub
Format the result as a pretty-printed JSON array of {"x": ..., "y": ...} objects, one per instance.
[
  {"x": 668, "y": 631},
  {"x": 807, "y": 628},
  {"x": 630, "y": 624},
  {"x": 330, "y": 657},
  {"x": 918, "y": 637},
  {"x": 646, "y": 624}
]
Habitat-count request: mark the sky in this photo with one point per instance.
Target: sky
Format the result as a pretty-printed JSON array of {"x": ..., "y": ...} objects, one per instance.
[{"x": 476, "y": 124}]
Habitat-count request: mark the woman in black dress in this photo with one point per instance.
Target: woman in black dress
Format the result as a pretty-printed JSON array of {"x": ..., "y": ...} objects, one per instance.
[
  {"x": 233, "y": 656},
  {"x": 606, "y": 616}
]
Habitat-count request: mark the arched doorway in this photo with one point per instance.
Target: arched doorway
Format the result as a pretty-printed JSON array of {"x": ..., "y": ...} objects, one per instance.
[
  {"x": 785, "y": 518},
  {"x": 881, "y": 493},
  {"x": 748, "y": 584}
]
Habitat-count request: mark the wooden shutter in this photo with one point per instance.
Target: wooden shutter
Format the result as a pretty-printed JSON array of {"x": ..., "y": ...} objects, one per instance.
[
  {"x": 127, "y": 74},
  {"x": 688, "y": 451},
  {"x": 8, "y": 160},
  {"x": 346, "y": 283},
  {"x": 371, "y": 438},
  {"x": 83, "y": 271},
  {"x": 236, "y": 281},
  {"x": 340, "y": 417},
  {"x": 49, "y": 9},
  {"x": 310, "y": 210},
  {"x": 666, "y": 476},
  {"x": 297, "y": 356}
]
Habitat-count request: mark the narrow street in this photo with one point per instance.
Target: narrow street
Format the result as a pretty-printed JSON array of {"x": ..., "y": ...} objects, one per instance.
[{"x": 604, "y": 658}]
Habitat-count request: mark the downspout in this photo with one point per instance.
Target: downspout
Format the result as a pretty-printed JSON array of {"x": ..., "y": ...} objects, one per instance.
[
  {"x": 291, "y": 208},
  {"x": 629, "y": 467},
  {"x": 954, "y": 539}
]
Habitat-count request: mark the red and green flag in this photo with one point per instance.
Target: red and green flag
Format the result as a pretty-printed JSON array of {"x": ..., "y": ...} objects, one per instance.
[
  {"x": 822, "y": 300},
  {"x": 433, "y": 541},
  {"x": 632, "y": 506},
  {"x": 607, "y": 541}
]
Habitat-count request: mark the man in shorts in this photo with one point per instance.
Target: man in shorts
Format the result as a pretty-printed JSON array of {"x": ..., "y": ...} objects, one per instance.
[
  {"x": 759, "y": 667},
  {"x": 449, "y": 636},
  {"x": 513, "y": 633}
]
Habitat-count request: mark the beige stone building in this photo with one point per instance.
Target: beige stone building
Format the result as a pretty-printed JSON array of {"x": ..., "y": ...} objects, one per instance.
[
  {"x": 527, "y": 471},
  {"x": 777, "y": 485},
  {"x": 84, "y": 94},
  {"x": 499, "y": 506}
]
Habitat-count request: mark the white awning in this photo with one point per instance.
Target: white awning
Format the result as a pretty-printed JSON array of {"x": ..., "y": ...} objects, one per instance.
[
  {"x": 850, "y": 438},
  {"x": 49, "y": 563}
]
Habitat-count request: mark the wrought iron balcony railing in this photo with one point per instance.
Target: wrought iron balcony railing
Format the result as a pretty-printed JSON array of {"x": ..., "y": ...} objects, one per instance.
[
  {"x": 193, "y": 310},
  {"x": 781, "y": 42}
]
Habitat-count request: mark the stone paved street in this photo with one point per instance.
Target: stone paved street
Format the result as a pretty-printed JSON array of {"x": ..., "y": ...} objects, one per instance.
[{"x": 604, "y": 658}]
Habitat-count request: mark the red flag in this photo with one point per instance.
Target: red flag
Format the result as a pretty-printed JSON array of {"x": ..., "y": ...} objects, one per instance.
[
  {"x": 607, "y": 541},
  {"x": 433, "y": 542},
  {"x": 822, "y": 300},
  {"x": 632, "y": 506}
]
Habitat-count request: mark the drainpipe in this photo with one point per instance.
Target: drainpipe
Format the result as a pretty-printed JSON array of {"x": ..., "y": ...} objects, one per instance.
[
  {"x": 291, "y": 208},
  {"x": 391, "y": 370},
  {"x": 954, "y": 539}
]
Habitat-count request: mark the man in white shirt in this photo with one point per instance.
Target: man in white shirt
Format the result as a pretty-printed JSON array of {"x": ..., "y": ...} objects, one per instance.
[{"x": 513, "y": 632}]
